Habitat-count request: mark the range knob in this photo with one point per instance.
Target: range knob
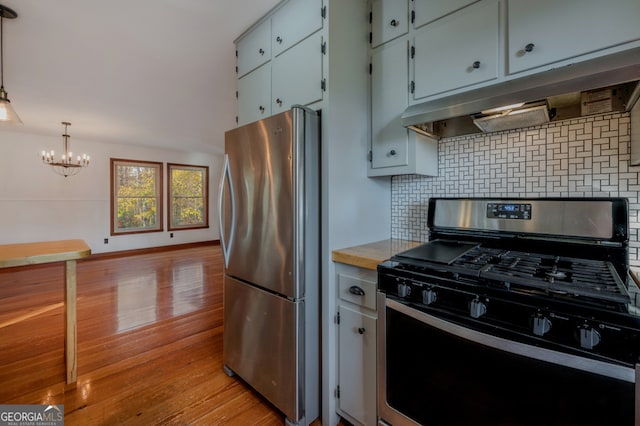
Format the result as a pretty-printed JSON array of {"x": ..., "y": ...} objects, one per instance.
[
  {"x": 541, "y": 325},
  {"x": 477, "y": 308},
  {"x": 429, "y": 296},
  {"x": 403, "y": 289},
  {"x": 588, "y": 336}
]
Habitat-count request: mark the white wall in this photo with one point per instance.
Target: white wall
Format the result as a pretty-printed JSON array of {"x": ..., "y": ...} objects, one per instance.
[
  {"x": 39, "y": 205},
  {"x": 355, "y": 209}
]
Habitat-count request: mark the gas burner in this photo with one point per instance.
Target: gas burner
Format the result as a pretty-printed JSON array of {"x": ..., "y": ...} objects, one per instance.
[{"x": 555, "y": 274}]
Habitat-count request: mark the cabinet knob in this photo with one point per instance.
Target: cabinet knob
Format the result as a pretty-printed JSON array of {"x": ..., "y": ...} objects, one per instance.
[
  {"x": 279, "y": 101},
  {"x": 529, "y": 47},
  {"x": 392, "y": 152},
  {"x": 261, "y": 51},
  {"x": 361, "y": 330},
  {"x": 476, "y": 65},
  {"x": 279, "y": 39},
  {"x": 394, "y": 23},
  {"x": 261, "y": 108},
  {"x": 354, "y": 289}
]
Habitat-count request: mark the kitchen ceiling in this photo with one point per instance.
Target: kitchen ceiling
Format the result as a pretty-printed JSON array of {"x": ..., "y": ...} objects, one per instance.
[{"x": 144, "y": 72}]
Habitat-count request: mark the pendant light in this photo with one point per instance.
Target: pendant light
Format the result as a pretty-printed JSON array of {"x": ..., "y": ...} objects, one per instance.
[{"x": 7, "y": 114}]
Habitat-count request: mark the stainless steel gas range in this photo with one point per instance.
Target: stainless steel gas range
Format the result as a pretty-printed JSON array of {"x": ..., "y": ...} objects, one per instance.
[{"x": 516, "y": 311}]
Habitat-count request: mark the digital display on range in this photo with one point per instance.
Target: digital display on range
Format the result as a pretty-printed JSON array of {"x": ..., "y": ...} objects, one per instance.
[{"x": 520, "y": 211}]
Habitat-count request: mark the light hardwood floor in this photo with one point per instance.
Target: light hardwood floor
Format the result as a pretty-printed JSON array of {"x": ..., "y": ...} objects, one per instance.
[{"x": 149, "y": 342}]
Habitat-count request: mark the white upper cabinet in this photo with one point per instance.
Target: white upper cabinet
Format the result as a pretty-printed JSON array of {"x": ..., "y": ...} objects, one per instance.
[
  {"x": 254, "y": 49},
  {"x": 294, "y": 22},
  {"x": 297, "y": 75},
  {"x": 254, "y": 95},
  {"x": 389, "y": 20},
  {"x": 542, "y": 32},
  {"x": 426, "y": 11},
  {"x": 457, "y": 51},
  {"x": 389, "y": 82},
  {"x": 395, "y": 150}
]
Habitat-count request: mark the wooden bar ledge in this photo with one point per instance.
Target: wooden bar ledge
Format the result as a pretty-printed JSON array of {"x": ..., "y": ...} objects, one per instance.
[{"x": 67, "y": 251}]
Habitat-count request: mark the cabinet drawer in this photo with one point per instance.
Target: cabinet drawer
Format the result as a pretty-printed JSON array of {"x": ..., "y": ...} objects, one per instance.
[{"x": 357, "y": 290}]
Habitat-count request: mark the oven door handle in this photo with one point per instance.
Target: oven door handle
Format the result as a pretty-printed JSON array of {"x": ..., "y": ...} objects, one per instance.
[{"x": 586, "y": 364}]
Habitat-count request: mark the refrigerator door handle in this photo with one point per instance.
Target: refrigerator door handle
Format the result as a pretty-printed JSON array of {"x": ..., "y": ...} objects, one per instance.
[{"x": 226, "y": 245}]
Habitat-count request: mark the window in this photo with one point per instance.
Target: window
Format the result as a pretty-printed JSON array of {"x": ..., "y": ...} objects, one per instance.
[
  {"x": 188, "y": 193},
  {"x": 136, "y": 196}
]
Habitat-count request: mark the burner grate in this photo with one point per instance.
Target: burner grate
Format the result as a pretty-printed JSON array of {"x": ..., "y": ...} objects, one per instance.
[{"x": 555, "y": 274}]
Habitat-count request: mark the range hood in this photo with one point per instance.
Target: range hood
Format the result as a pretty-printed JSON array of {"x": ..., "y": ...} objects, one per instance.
[{"x": 600, "y": 85}]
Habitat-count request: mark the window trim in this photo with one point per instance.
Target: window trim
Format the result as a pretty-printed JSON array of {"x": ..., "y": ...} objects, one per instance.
[
  {"x": 205, "y": 169},
  {"x": 159, "y": 193}
]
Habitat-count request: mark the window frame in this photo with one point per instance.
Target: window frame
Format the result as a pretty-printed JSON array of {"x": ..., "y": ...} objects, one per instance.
[
  {"x": 158, "y": 195},
  {"x": 205, "y": 196}
]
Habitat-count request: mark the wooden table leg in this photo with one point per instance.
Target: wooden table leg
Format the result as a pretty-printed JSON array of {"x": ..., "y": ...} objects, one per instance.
[{"x": 70, "y": 333}]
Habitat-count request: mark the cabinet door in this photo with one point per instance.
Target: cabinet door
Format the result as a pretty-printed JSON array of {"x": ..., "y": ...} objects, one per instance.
[
  {"x": 357, "y": 365},
  {"x": 556, "y": 30},
  {"x": 389, "y": 20},
  {"x": 427, "y": 11},
  {"x": 254, "y": 95},
  {"x": 389, "y": 99},
  {"x": 457, "y": 51},
  {"x": 297, "y": 75},
  {"x": 296, "y": 20},
  {"x": 254, "y": 49}
]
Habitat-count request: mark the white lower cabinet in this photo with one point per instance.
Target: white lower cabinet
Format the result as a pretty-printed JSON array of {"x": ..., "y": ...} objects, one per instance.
[{"x": 356, "y": 318}]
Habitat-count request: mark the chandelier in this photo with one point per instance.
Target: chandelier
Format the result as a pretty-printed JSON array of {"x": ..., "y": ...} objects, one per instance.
[{"x": 67, "y": 166}]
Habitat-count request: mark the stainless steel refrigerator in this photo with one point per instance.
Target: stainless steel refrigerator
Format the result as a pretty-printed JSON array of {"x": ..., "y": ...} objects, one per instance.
[{"x": 269, "y": 233}]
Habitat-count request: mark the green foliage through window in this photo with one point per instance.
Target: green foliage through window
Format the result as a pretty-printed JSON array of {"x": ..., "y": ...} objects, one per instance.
[
  {"x": 136, "y": 196},
  {"x": 188, "y": 196}
]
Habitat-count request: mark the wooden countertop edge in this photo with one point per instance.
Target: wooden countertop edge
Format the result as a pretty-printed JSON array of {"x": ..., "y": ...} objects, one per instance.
[
  {"x": 369, "y": 255},
  {"x": 356, "y": 260},
  {"x": 42, "y": 252}
]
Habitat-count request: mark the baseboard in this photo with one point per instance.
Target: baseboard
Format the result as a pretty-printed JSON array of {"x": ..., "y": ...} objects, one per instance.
[{"x": 148, "y": 250}]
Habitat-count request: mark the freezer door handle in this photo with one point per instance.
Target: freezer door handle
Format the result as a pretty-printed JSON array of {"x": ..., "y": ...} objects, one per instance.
[{"x": 226, "y": 243}]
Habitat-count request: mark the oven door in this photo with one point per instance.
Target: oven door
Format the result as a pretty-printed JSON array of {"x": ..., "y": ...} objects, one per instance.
[{"x": 435, "y": 372}]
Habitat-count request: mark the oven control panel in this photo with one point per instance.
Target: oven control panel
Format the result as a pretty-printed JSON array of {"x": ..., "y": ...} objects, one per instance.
[{"x": 520, "y": 211}]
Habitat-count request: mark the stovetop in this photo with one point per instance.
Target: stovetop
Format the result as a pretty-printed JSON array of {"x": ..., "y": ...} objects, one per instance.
[{"x": 507, "y": 268}]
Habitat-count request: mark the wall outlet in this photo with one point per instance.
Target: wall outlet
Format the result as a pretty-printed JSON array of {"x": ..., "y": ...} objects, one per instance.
[{"x": 106, "y": 241}]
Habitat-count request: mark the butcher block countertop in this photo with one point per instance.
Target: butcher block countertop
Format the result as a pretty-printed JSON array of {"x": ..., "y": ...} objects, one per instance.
[{"x": 368, "y": 256}]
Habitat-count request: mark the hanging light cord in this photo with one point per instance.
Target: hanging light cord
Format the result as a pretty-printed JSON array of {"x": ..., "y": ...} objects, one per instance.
[{"x": 1, "y": 52}]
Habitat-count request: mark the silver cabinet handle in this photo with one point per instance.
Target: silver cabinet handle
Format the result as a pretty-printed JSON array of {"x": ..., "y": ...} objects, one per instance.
[
  {"x": 392, "y": 152},
  {"x": 279, "y": 101},
  {"x": 279, "y": 40},
  {"x": 476, "y": 65},
  {"x": 361, "y": 330},
  {"x": 529, "y": 47},
  {"x": 394, "y": 23},
  {"x": 261, "y": 108},
  {"x": 261, "y": 51},
  {"x": 355, "y": 290}
]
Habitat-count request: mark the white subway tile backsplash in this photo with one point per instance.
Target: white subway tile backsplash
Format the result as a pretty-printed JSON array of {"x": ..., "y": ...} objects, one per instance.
[{"x": 585, "y": 157}]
